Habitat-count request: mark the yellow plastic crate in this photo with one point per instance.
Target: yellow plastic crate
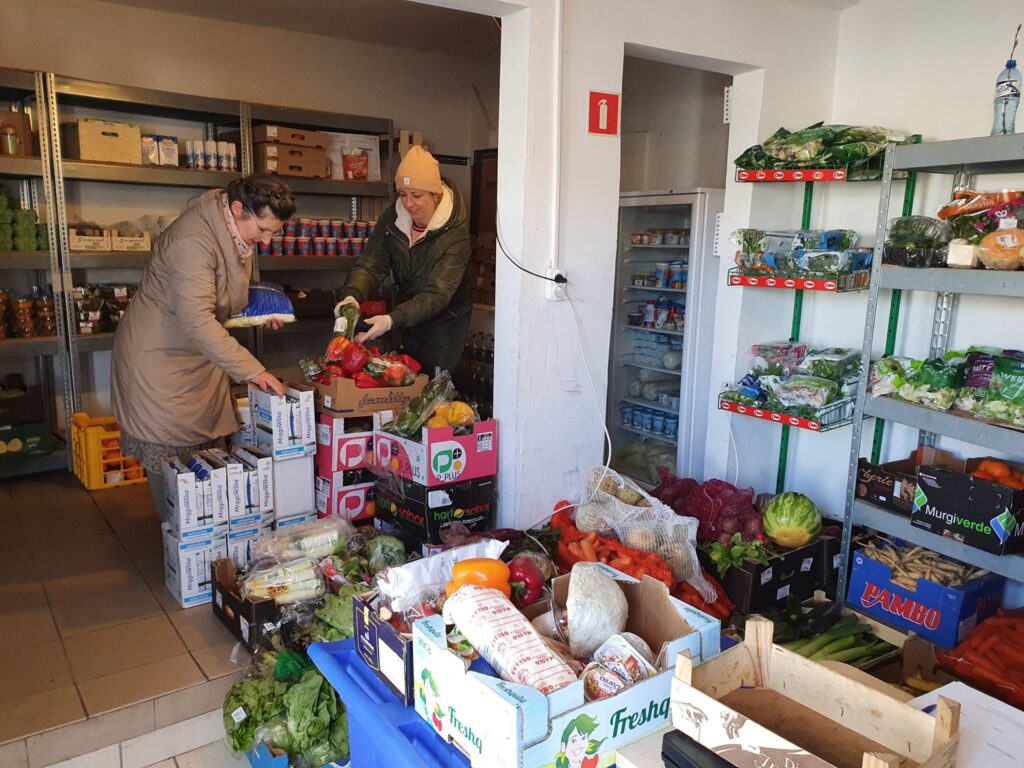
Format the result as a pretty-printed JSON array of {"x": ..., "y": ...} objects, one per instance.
[{"x": 96, "y": 454}]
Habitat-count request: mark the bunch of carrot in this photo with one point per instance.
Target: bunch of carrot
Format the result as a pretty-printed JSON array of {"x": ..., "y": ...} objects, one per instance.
[
  {"x": 721, "y": 609},
  {"x": 992, "y": 657},
  {"x": 574, "y": 546}
]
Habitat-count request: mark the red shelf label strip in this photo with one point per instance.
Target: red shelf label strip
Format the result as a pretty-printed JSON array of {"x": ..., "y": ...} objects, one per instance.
[
  {"x": 772, "y": 416},
  {"x": 786, "y": 283},
  {"x": 803, "y": 174}
]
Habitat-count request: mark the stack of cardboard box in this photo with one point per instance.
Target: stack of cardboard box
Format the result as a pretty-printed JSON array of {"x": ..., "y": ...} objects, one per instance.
[
  {"x": 344, "y": 483},
  {"x": 283, "y": 151}
]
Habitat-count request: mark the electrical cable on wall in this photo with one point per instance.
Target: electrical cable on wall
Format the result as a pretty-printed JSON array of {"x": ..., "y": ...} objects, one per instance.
[{"x": 504, "y": 250}]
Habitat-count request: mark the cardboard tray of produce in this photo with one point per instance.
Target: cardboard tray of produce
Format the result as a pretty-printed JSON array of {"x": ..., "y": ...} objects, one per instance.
[{"x": 757, "y": 704}]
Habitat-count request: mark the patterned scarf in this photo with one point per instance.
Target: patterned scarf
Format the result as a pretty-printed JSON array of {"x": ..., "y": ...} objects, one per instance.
[{"x": 244, "y": 251}]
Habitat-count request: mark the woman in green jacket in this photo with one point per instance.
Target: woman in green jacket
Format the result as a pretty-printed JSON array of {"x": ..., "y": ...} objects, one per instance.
[{"x": 423, "y": 244}]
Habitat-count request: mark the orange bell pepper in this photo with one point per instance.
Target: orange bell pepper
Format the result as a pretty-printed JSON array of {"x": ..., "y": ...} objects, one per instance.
[{"x": 480, "y": 572}]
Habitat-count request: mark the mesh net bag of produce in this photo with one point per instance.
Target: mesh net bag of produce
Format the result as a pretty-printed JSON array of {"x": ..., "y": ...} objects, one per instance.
[{"x": 616, "y": 506}]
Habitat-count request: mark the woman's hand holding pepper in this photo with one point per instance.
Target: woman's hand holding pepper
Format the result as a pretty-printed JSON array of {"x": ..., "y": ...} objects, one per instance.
[{"x": 347, "y": 300}]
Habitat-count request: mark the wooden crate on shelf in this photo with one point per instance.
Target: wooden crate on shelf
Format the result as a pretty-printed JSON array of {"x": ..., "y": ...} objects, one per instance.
[{"x": 757, "y": 704}]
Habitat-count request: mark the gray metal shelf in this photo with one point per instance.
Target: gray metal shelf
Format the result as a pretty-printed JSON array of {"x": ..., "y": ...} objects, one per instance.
[
  {"x": 81, "y": 170},
  {"x": 947, "y": 423},
  {"x": 46, "y": 345},
  {"x": 985, "y": 154},
  {"x": 112, "y": 260},
  {"x": 311, "y": 118},
  {"x": 24, "y": 259},
  {"x": 1011, "y": 566},
  {"x": 339, "y": 188},
  {"x": 123, "y": 98},
  {"x": 288, "y": 263},
  {"x": 95, "y": 342},
  {"x": 35, "y": 464},
  {"x": 16, "y": 84},
  {"x": 988, "y": 282},
  {"x": 20, "y": 167}
]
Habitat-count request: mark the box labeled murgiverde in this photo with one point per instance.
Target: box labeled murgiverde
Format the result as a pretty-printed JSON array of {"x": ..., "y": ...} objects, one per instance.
[
  {"x": 344, "y": 398},
  {"x": 892, "y": 485},
  {"x": 944, "y": 615},
  {"x": 341, "y": 446},
  {"x": 499, "y": 724},
  {"x": 348, "y": 502},
  {"x": 257, "y": 479},
  {"x": 187, "y": 565},
  {"x": 285, "y": 425},
  {"x": 424, "y": 513},
  {"x": 981, "y": 513},
  {"x": 440, "y": 457}
]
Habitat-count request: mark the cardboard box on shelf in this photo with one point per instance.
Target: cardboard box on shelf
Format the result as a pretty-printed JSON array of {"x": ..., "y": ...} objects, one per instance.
[
  {"x": 406, "y": 140},
  {"x": 187, "y": 564},
  {"x": 440, "y": 457},
  {"x": 284, "y": 425},
  {"x": 247, "y": 620},
  {"x": 892, "y": 485},
  {"x": 88, "y": 243},
  {"x": 348, "y": 502},
  {"x": 943, "y": 615},
  {"x": 290, "y": 166},
  {"x": 983, "y": 514},
  {"x": 424, "y": 513},
  {"x": 21, "y": 406},
  {"x": 21, "y": 122},
  {"x": 344, "y": 398},
  {"x": 500, "y": 724},
  {"x": 104, "y": 141},
  {"x": 21, "y": 441},
  {"x": 293, "y": 488},
  {"x": 137, "y": 244},
  {"x": 282, "y": 134},
  {"x": 288, "y": 153},
  {"x": 342, "y": 145},
  {"x": 339, "y": 450}
]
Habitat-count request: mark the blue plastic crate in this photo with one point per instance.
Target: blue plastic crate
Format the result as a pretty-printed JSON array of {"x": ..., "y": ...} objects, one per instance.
[{"x": 382, "y": 732}]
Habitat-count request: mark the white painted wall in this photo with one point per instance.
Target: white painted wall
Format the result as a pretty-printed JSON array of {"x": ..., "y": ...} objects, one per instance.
[
  {"x": 426, "y": 91},
  {"x": 675, "y": 113}
]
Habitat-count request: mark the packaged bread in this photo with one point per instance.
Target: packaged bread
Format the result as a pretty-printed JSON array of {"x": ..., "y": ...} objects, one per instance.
[
  {"x": 1002, "y": 249},
  {"x": 506, "y": 639}
]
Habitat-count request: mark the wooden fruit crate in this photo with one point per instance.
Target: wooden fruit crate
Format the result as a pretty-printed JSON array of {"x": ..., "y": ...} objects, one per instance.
[{"x": 758, "y": 705}]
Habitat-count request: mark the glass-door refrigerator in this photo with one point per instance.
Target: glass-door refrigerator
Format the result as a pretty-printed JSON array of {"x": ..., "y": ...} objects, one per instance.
[{"x": 666, "y": 281}]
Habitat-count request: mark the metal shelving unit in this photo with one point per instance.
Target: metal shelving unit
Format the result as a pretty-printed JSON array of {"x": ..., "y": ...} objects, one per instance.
[
  {"x": 27, "y": 90},
  {"x": 124, "y": 260},
  {"x": 996, "y": 154},
  {"x": 82, "y": 170},
  {"x": 306, "y": 263}
]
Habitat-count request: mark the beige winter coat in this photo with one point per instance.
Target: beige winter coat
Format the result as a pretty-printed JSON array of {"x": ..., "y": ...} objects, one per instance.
[{"x": 172, "y": 355}]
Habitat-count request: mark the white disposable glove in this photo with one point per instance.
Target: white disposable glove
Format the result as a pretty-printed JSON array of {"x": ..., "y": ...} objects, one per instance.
[
  {"x": 347, "y": 300},
  {"x": 379, "y": 325}
]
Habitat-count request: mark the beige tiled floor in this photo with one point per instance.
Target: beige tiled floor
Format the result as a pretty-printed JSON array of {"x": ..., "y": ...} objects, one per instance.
[{"x": 88, "y": 626}]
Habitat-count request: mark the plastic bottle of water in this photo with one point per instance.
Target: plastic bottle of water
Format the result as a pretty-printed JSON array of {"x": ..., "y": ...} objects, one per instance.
[{"x": 1008, "y": 88}]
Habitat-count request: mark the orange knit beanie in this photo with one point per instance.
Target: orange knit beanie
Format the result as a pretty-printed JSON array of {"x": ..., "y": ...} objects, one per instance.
[{"x": 419, "y": 170}]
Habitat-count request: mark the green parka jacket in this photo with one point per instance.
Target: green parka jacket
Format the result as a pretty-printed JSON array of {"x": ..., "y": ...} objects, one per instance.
[{"x": 432, "y": 286}]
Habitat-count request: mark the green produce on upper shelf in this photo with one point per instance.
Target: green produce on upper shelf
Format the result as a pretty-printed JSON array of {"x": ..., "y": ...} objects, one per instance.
[
  {"x": 834, "y": 363},
  {"x": 821, "y": 145}
]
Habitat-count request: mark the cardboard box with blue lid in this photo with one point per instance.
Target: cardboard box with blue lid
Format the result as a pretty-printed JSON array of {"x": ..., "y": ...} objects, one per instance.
[{"x": 499, "y": 724}]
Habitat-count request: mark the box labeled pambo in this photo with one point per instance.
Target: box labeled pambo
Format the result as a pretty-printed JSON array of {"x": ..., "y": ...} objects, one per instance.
[
  {"x": 284, "y": 425},
  {"x": 187, "y": 565},
  {"x": 424, "y": 513},
  {"x": 499, "y": 724},
  {"x": 344, "y": 398},
  {"x": 943, "y": 615},
  {"x": 348, "y": 502},
  {"x": 338, "y": 450},
  {"x": 440, "y": 457},
  {"x": 981, "y": 513}
]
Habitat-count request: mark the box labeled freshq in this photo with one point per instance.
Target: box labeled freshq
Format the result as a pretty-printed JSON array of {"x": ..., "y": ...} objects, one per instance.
[
  {"x": 284, "y": 425},
  {"x": 424, "y": 513},
  {"x": 499, "y": 724},
  {"x": 981, "y": 513},
  {"x": 943, "y": 615},
  {"x": 440, "y": 457}
]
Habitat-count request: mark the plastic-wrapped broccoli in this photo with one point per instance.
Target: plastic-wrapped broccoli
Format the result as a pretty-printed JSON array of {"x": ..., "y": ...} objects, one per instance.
[{"x": 385, "y": 552}]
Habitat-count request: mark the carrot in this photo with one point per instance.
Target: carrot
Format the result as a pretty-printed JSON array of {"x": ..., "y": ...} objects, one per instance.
[
  {"x": 587, "y": 548},
  {"x": 576, "y": 549},
  {"x": 979, "y": 475},
  {"x": 1009, "y": 653},
  {"x": 983, "y": 664},
  {"x": 998, "y": 469},
  {"x": 986, "y": 645},
  {"x": 621, "y": 562}
]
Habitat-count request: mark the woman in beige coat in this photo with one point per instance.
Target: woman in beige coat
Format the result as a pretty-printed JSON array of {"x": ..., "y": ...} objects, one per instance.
[{"x": 172, "y": 355}]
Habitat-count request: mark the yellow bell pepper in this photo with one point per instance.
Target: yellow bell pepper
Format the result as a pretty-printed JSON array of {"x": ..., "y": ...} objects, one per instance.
[{"x": 480, "y": 572}]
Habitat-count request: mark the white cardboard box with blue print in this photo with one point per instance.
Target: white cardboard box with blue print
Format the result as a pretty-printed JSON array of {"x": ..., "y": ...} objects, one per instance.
[{"x": 498, "y": 723}]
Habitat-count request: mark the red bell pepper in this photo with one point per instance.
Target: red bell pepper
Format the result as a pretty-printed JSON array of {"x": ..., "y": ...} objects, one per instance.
[
  {"x": 374, "y": 350},
  {"x": 396, "y": 376},
  {"x": 363, "y": 380},
  {"x": 355, "y": 358},
  {"x": 336, "y": 348},
  {"x": 526, "y": 580},
  {"x": 412, "y": 364}
]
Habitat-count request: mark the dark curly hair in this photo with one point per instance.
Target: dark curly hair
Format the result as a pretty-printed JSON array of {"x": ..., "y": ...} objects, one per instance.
[{"x": 257, "y": 193}]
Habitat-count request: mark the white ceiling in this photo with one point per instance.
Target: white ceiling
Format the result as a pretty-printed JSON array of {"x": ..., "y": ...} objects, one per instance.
[{"x": 385, "y": 22}]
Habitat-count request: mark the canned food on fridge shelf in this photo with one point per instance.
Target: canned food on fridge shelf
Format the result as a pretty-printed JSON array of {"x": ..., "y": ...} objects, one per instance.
[
  {"x": 657, "y": 423},
  {"x": 671, "y": 426}
]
